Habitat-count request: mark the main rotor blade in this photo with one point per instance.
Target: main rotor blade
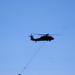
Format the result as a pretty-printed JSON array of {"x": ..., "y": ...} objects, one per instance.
[
  {"x": 46, "y": 34},
  {"x": 41, "y": 34},
  {"x": 54, "y": 34}
]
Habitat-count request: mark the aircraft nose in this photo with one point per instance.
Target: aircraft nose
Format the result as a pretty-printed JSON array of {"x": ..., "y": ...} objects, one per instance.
[{"x": 52, "y": 38}]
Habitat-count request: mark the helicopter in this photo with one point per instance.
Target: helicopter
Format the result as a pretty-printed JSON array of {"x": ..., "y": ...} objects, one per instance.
[{"x": 44, "y": 37}]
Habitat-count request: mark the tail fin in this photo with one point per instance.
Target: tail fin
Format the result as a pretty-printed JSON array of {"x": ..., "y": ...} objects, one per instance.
[{"x": 32, "y": 38}]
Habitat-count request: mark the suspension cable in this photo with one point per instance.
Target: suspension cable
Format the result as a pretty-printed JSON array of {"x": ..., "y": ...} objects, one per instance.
[{"x": 31, "y": 58}]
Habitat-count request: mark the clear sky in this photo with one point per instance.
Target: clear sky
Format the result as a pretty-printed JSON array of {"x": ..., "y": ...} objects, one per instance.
[{"x": 20, "y": 18}]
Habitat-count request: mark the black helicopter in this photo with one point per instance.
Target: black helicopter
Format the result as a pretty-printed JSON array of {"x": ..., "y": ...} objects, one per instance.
[{"x": 45, "y": 37}]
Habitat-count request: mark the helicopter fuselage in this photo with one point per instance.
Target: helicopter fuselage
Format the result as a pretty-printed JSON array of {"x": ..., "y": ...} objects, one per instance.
[{"x": 42, "y": 38}]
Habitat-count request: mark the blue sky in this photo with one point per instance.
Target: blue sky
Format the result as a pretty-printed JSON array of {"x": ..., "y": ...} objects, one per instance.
[{"x": 20, "y": 18}]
